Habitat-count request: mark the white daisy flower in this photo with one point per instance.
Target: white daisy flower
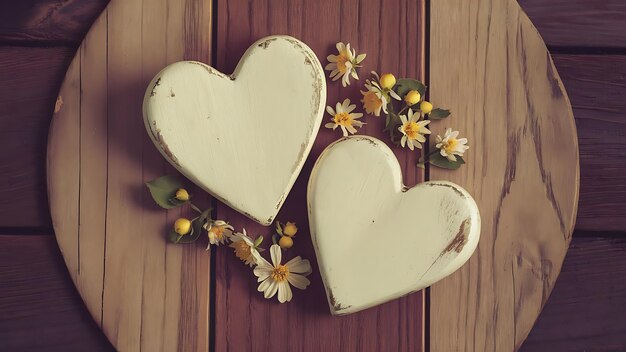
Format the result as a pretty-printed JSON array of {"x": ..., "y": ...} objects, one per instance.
[
  {"x": 244, "y": 247},
  {"x": 376, "y": 98},
  {"x": 373, "y": 99},
  {"x": 344, "y": 64},
  {"x": 276, "y": 277},
  {"x": 218, "y": 231},
  {"x": 413, "y": 130},
  {"x": 449, "y": 145},
  {"x": 344, "y": 117}
]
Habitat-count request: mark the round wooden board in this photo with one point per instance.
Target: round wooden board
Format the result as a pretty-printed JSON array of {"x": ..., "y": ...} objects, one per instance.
[
  {"x": 145, "y": 293},
  {"x": 488, "y": 65}
]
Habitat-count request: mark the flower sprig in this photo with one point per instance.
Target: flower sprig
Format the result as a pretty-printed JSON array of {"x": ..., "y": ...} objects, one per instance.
[
  {"x": 407, "y": 113},
  {"x": 274, "y": 278}
]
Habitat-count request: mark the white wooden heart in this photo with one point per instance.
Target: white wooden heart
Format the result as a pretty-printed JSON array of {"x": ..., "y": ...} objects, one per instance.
[
  {"x": 377, "y": 240},
  {"x": 242, "y": 137}
]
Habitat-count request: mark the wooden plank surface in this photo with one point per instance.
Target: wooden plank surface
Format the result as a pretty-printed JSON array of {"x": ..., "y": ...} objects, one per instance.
[
  {"x": 579, "y": 24},
  {"x": 29, "y": 82},
  {"x": 491, "y": 68},
  {"x": 611, "y": 130},
  {"x": 39, "y": 306},
  {"x": 47, "y": 22},
  {"x": 143, "y": 292},
  {"x": 596, "y": 85},
  {"x": 587, "y": 307},
  {"x": 28, "y": 90},
  {"x": 392, "y": 37}
]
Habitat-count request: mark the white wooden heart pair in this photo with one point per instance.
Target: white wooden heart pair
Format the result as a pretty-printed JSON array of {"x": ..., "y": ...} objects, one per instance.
[{"x": 245, "y": 137}]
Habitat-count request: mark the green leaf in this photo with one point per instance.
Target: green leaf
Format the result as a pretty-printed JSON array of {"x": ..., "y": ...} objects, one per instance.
[
  {"x": 258, "y": 241},
  {"x": 404, "y": 85},
  {"x": 392, "y": 121},
  {"x": 438, "y": 114},
  {"x": 163, "y": 189},
  {"x": 176, "y": 202},
  {"x": 443, "y": 162},
  {"x": 173, "y": 236}
]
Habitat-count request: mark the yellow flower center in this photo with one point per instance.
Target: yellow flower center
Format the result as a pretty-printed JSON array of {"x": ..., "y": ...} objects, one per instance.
[
  {"x": 371, "y": 102},
  {"x": 450, "y": 145},
  {"x": 217, "y": 232},
  {"x": 280, "y": 273},
  {"x": 341, "y": 62},
  {"x": 343, "y": 118},
  {"x": 411, "y": 130},
  {"x": 242, "y": 250}
]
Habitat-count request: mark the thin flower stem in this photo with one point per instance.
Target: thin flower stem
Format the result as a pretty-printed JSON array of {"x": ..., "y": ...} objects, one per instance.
[
  {"x": 422, "y": 161},
  {"x": 403, "y": 109},
  {"x": 194, "y": 207}
]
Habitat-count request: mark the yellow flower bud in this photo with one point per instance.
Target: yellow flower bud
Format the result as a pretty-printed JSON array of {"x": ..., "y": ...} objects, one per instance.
[
  {"x": 387, "y": 81},
  {"x": 182, "y": 226},
  {"x": 182, "y": 195},
  {"x": 412, "y": 97},
  {"x": 426, "y": 107},
  {"x": 285, "y": 242},
  {"x": 290, "y": 229}
]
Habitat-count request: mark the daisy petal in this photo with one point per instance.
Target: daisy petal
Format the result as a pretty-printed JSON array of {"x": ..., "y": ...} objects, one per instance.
[
  {"x": 299, "y": 266},
  {"x": 271, "y": 291},
  {"x": 262, "y": 273},
  {"x": 276, "y": 255},
  {"x": 284, "y": 292},
  {"x": 264, "y": 285},
  {"x": 298, "y": 281}
]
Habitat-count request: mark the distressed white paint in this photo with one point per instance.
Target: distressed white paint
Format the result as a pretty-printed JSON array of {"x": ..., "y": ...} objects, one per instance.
[
  {"x": 375, "y": 239},
  {"x": 245, "y": 137}
]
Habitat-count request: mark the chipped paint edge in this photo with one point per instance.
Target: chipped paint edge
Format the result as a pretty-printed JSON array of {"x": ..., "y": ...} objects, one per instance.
[
  {"x": 337, "y": 308},
  {"x": 318, "y": 105}
]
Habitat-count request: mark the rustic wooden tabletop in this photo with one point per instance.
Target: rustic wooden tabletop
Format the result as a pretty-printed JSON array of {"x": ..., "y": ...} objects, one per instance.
[{"x": 39, "y": 306}]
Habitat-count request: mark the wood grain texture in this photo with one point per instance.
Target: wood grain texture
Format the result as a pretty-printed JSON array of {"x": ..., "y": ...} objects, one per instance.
[
  {"x": 597, "y": 86},
  {"x": 29, "y": 82},
  {"x": 143, "y": 292},
  {"x": 586, "y": 309},
  {"x": 41, "y": 309},
  {"x": 579, "y": 23},
  {"x": 39, "y": 306},
  {"x": 392, "y": 37},
  {"x": 594, "y": 83},
  {"x": 45, "y": 22},
  {"x": 489, "y": 65}
]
